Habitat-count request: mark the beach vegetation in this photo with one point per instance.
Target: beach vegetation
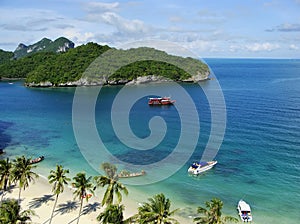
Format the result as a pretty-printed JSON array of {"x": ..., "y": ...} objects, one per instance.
[
  {"x": 114, "y": 187},
  {"x": 113, "y": 214},
  {"x": 5, "y": 175},
  {"x": 22, "y": 173},
  {"x": 212, "y": 214},
  {"x": 11, "y": 213},
  {"x": 59, "y": 179},
  {"x": 83, "y": 189},
  {"x": 157, "y": 210}
]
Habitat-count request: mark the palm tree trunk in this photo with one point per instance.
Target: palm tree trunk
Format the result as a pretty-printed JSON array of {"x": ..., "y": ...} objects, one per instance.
[
  {"x": 5, "y": 184},
  {"x": 81, "y": 202},
  {"x": 2, "y": 195},
  {"x": 19, "y": 199},
  {"x": 53, "y": 209}
]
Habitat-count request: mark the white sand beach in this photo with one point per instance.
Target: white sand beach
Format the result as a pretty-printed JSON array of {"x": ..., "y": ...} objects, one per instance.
[{"x": 39, "y": 198}]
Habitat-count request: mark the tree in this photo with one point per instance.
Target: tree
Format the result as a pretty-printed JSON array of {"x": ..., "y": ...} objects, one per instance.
[
  {"x": 113, "y": 214},
  {"x": 82, "y": 185},
  {"x": 5, "y": 175},
  {"x": 10, "y": 212},
  {"x": 22, "y": 173},
  {"x": 58, "y": 178},
  {"x": 113, "y": 186},
  {"x": 212, "y": 213},
  {"x": 157, "y": 210}
]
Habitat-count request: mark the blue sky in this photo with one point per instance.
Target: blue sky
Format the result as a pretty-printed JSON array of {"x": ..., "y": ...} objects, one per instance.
[{"x": 215, "y": 28}]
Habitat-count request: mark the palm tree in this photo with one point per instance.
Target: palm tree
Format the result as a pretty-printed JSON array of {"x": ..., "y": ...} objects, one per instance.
[
  {"x": 22, "y": 173},
  {"x": 212, "y": 213},
  {"x": 157, "y": 210},
  {"x": 58, "y": 178},
  {"x": 5, "y": 175},
  {"x": 10, "y": 212},
  {"x": 112, "y": 214},
  {"x": 82, "y": 185},
  {"x": 113, "y": 186}
]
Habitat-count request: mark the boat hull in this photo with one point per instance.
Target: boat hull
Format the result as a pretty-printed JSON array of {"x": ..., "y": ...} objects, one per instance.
[
  {"x": 161, "y": 101},
  {"x": 200, "y": 169},
  {"x": 244, "y": 211}
]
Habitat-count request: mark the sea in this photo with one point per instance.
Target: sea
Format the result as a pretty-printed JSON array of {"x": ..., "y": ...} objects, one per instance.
[{"x": 247, "y": 116}]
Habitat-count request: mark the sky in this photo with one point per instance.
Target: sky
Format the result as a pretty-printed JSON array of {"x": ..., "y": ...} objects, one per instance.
[{"x": 214, "y": 28}]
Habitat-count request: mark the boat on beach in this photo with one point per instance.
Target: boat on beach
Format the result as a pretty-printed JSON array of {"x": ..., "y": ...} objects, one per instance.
[
  {"x": 200, "y": 167},
  {"x": 161, "y": 101},
  {"x": 37, "y": 160},
  {"x": 244, "y": 211}
]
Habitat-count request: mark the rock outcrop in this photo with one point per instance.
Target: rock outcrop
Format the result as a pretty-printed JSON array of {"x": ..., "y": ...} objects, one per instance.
[{"x": 61, "y": 44}]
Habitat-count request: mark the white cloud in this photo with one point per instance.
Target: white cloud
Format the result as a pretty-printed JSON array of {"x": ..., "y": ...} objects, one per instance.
[
  {"x": 79, "y": 37},
  {"x": 106, "y": 14},
  {"x": 293, "y": 47},
  {"x": 262, "y": 47},
  {"x": 123, "y": 25},
  {"x": 98, "y": 7}
]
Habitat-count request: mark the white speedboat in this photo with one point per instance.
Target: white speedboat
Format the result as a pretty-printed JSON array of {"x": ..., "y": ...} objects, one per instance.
[
  {"x": 244, "y": 211},
  {"x": 199, "y": 167}
]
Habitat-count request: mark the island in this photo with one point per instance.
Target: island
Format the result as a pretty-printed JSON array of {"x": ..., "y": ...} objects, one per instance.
[{"x": 59, "y": 64}]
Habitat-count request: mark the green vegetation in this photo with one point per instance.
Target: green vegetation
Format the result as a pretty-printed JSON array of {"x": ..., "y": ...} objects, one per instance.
[
  {"x": 5, "y": 175},
  {"x": 113, "y": 186},
  {"x": 10, "y": 212},
  {"x": 156, "y": 210},
  {"x": 5, "y": 56},
  {"x": 112, "y": 214},
  {"x": 66, "y": 67},
  {"x": 59, "y": 179},
  {"x": 117, "y": 67},
  {"x": 82, "y": 186},
  {"x": 169, "y": 66},
  {"x": 22, "y": 173},
  {"x": 212, "y": 213},
  {"x": 22, "y": 67},
  {"x": 125, "y": 65}
]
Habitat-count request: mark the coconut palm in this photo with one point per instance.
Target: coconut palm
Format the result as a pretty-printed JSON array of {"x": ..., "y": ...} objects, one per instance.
[
  {"x": 59, "y": 179},
  {"x": 22, "y": 173},
  {"x": 82, "y": 185},
  {"x": 113, "y": 186},
  {"x": 157, "y": 210},
  {"x": 112, "y": 214},
  {"x": 5, "y": 175},
  {"x": 10, "y": 212},
  {"x": 212, "y": 213}
]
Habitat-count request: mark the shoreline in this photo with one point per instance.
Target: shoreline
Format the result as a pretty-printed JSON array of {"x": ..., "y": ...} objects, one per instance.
[{"x": 39, "y": 198}]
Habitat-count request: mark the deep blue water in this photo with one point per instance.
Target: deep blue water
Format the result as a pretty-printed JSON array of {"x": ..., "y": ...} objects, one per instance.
[{"x": 259, "y": 158}]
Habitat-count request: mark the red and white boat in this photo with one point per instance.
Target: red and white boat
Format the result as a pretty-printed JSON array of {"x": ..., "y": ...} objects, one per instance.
[{"x": 160, "y": 101}]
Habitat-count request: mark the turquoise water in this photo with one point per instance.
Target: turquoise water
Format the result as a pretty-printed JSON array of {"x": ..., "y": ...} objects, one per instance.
[{"x": 258, "y": 159}]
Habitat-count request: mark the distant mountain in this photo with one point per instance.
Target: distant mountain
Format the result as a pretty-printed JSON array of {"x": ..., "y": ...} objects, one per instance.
[{"x": 61, "y": 44}]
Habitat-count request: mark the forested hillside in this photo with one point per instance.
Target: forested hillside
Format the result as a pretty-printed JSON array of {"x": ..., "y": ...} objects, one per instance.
[{"x": 66, "y": 68}]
